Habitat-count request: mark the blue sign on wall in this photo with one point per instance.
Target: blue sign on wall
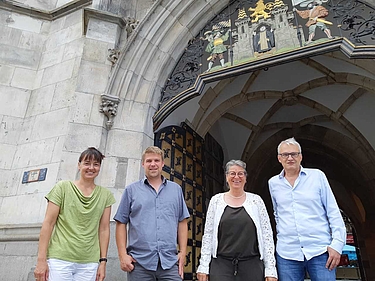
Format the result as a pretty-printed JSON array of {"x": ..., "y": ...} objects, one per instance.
[{"x": 34, "y": 175}]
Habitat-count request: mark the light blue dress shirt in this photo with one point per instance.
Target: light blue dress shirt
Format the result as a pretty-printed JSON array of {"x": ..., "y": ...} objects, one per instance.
[
  {"x": 152, "y": 218},
  {"x": 307, "y": 216}
]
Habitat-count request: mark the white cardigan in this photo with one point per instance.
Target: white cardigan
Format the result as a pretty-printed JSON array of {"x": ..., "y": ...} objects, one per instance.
[{"x": 256, "y": 209}]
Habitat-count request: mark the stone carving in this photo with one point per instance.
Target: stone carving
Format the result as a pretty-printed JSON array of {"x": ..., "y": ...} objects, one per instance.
[
  {"x": 109, "y": 108},
  {"x": 289, "y": 101},
  {"x": 131, "y": 24},
  {"x": 113, "y": 55}
]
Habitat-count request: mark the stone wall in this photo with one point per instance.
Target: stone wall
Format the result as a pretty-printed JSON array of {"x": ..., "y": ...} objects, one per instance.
[{"x": 54, "y": 68}]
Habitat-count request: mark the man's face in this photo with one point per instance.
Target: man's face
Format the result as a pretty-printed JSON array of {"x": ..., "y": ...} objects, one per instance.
[
  {"x": 153, "y": 165},
  {"x": 290, "y": 162}
]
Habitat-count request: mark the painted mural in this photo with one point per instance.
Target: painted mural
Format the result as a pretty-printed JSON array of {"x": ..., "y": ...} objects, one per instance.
[
  {"x": 252, "y": 30},
  {"x": 266, "y": 28}
]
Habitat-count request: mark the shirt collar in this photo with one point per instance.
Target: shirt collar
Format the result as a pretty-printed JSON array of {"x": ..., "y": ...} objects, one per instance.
[
  {"x": 164, "y": 180},
  {"x": 302, "y": 171}
]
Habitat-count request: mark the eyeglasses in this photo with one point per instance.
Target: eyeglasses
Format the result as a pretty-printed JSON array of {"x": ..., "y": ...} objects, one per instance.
[
  {"x": 240, "y": 174},
  {"x": 286, "y": 155}
]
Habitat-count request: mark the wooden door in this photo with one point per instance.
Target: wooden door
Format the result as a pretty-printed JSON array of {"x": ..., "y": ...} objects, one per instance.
[{"x": 183, "y": 158}]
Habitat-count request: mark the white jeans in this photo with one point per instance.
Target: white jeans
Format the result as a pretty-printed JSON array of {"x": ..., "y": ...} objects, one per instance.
[{"x": 60, "y": 270}]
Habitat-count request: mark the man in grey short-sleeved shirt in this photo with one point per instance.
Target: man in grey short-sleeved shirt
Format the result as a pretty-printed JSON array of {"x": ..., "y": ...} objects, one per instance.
[{"x": 155, "y": 212}]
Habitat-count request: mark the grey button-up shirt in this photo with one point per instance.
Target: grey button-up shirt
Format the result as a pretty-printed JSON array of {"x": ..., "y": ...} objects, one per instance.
[{"x": 152, "y": 219}]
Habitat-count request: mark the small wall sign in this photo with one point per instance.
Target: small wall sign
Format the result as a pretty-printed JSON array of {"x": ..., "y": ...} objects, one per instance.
[{"x": 34, "y": 175}]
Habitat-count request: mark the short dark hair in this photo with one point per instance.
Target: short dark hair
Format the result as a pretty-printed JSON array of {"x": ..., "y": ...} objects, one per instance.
[{"x": 91, "y": 154}]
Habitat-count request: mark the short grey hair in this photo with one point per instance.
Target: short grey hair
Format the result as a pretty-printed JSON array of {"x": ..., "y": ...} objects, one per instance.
[
  {"x": 231, "y": 163},
  {"x": 290, "y": 141},
  {"x": 235, "y": 163}
]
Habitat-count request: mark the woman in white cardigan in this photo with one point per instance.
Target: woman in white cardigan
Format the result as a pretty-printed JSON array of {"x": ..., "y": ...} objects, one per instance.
[{"x": 238, "y": 242}]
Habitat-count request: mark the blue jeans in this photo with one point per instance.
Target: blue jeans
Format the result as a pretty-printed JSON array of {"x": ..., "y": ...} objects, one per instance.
[{"x": 291, "y": 270}]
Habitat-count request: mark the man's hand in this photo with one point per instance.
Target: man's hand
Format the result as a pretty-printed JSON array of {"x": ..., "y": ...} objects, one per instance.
[
  {"x": 126, "y": 263},
  {"x": 271, "y": 279},
  {"x": 202, "y": 277},
  {"x": 181, "y": 264},
  {"x": 333, "y": 258}
]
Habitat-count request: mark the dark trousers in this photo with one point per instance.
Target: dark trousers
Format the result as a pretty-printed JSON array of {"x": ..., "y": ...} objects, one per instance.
[
  {"x": 224, "y": 269},
  {"x": 139, "y": 273}
]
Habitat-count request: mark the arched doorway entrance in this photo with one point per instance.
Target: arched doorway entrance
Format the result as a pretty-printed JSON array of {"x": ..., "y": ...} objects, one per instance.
[
  {"x": 319, "y": 94},
  {"x": 328, "y": 86}
]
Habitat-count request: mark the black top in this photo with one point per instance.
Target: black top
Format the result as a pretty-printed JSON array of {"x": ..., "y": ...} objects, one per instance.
[{"x": 237, "y": 236}]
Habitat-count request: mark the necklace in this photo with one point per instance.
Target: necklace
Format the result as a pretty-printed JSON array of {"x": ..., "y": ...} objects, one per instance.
[{"x": 236, "y": 197}]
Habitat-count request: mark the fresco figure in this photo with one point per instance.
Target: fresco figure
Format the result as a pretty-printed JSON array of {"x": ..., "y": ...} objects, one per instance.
[
  {"x": 216, "y": 46},
  {"x": 263, "y": 41},
  {"x": 316, "y": 15}
]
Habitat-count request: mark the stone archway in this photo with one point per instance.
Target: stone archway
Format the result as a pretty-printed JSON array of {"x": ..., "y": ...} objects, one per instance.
[{"x": 153, "y": 51}]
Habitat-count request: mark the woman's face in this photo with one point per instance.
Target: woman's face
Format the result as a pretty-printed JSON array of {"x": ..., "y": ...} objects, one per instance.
[
  {"x": 89, "y": 168},
  {"x": 236, "y": 178}
]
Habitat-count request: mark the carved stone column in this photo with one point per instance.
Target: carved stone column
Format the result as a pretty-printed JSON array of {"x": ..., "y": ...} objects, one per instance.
[{"x": 109, "y": 108}]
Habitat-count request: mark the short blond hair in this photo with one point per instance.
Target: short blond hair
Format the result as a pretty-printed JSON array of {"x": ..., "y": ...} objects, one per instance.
[{"x": 152, "y": 149}]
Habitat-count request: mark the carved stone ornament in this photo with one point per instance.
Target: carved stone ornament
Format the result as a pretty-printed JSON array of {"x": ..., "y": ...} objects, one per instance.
[
  {"x": 131, "y": 24},
  {"x": 109, "y": 108},
  {"x": 113, "y": 55}
]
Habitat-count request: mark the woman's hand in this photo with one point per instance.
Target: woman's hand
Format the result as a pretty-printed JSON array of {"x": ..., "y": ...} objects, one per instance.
[
  {"x": 271, "y": 279},
  {"x": 202, "y": 277},
  {"x": 41, "y": 271}
]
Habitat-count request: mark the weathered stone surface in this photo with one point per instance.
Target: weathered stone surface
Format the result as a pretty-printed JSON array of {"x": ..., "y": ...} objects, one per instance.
[
  {"x": 64, "y": 36},
  {"x": 73, "y": 49},
  {"x": 52, "y": 57},
  {"x": 40, "y": 100},
  {"x": 96, "y": 117},
  {"x": 16, "y": 97},
  {"x": 7, "y": 154},
  {"x": 32, "y": 41},
  {"x": 58, "y": 72},
  {"x": 51, "y": 124},
  {"x": 64, "y": 94},
  {"x": 25, "y": 23},
  {"x": 10, "y": 36},
  {"x": 128, "y": 139},
  {"x": 19, "y": 57},
  {"x": 6, "y": 73},
  {"x": 34, "y": 153},
  {"x": 10, "y": 128},
  {"x": 95, "y": 51},
  {"x": 10, "y": 180},
  {"x": 17, "y": 267},
  {"x": 41, "y": 4},
  {"x": 132, "y": 116},
  {"x": 24, "y": 78},
  {"x": 82, "y": 108},
  {"x": 73, "y": 19},
  {"x": 103, "y": 31},
  {"x": 93, "y": 77},
  {"x": 82, "y": 136}
]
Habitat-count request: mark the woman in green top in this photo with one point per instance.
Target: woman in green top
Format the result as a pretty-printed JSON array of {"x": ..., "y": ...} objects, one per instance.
[{"x": 74, "y": 236}]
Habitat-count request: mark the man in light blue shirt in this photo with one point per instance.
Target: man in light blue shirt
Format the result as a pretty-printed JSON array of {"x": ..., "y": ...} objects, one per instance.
[
  {"x": 155, "y": 213},
  {"x": 310, "y": 230}
]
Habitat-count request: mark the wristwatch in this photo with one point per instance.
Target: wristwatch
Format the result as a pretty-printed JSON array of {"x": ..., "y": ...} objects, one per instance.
[{"x": 103, "y": 259}]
